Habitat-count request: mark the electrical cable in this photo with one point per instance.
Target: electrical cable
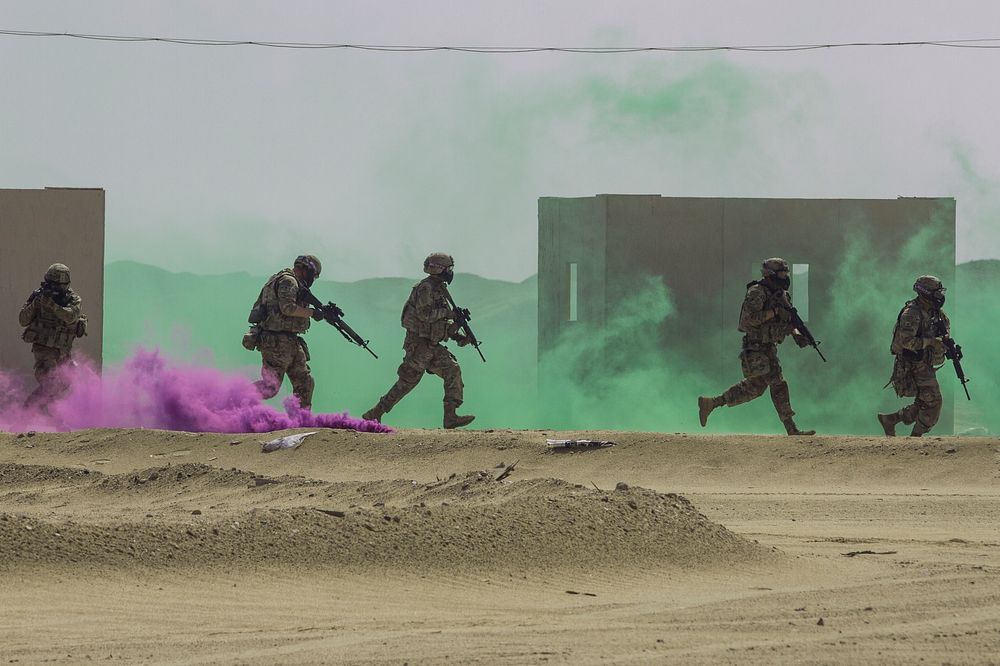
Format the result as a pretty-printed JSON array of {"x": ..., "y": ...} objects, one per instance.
[{"x": 985, "y": 43}]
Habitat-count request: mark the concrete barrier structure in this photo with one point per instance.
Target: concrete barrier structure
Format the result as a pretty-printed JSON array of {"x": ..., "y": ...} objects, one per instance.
[{"x": 40, "y": 227}]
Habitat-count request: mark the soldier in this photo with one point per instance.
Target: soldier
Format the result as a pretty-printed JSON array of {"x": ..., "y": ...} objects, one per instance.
[
  {"x": 765, "y": 321},
  {"x": 280, "y": 316},
  {"x": 52, "y": 320},
  {"x": 917, "y": 344},
  {"x": 429, "y": 320}
]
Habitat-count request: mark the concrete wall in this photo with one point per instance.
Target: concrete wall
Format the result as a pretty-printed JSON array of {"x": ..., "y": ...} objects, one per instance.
[
  {"x": 705, "y": 251},
  {"x": 42, "y": 227},
  {"x": 570, "y": 231}
]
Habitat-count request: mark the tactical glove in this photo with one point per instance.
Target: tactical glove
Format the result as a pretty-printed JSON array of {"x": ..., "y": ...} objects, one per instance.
[{"x": 317, "y": 314}]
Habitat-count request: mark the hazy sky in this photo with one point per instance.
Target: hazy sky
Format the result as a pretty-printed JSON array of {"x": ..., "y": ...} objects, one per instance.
[{"x": 220, "y": 159}]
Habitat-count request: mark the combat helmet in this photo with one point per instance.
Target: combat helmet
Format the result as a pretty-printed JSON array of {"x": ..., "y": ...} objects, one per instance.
[
  {"x": 931, "y": 288},
  {"x": 311, "y": 265},
  {"x": 438, "y": 262},
  {"x": 770, "y": 268},
  {"x": 57, "y": 274}
]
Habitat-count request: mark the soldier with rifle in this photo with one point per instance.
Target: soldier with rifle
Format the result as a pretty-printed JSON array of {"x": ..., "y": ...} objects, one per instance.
[
  {"x": 431, "y": 317},
  {"x": 921, "y": 342},
  {"x": 766, "y": 318},
  {"x": 52, "y": 319},
  {"x": 279, "y": 317}
]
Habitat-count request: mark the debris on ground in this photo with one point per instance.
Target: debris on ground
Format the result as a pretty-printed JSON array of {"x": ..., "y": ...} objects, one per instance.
[
  {"x": 578, "y": 443},
  {"x": 286, "y": 442},
  {"x": 505, "y": 471},
  {"x": 854, "y": 553}
]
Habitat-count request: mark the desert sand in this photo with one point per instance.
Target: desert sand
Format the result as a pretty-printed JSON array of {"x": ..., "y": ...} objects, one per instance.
[{"x": 145, "y": 546}]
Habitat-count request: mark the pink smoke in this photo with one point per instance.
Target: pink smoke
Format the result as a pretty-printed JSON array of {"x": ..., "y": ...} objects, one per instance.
[{"x": 149, "y": 391}]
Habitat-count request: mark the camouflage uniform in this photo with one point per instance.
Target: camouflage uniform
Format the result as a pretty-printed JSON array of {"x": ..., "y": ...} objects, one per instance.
[
  {"x": 53, "y": 319},
  {"x": 427, "y": 317},
  {"x": 764, "y": 322},
  {"x": 919, "y": 353},
  {"x": 282, "y": 349}
]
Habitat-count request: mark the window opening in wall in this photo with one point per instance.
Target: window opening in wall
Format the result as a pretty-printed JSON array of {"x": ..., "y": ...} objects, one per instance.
[
  {"x": 800, "y": 289},
  {"x": 572, "y": 292}
]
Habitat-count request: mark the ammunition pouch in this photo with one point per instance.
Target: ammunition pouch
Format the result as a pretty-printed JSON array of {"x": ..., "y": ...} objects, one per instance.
[
  {"x": 903, "y": 381},
  {"x": 57, "y": 339},
  {"x": 258, "y": 313},
  {"x": 251, "y": 339}
]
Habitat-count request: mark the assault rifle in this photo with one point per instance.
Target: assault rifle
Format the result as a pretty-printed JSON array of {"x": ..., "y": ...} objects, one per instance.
[
  {"x": 462, "y": 317},
  {"x": 797, "y": 323},
  {"x": 333, "y": 315},
  {"x": 952, "y": 352},
  {"x": 59, "y": 296}
]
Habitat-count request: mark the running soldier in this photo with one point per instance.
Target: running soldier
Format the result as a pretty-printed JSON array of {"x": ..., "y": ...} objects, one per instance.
[
  {"x": 429, "y": 320},
  {"x": 918, "y": 345},
  {"x": 279, "y": 317},
  {"x": 765, "y": 321}
]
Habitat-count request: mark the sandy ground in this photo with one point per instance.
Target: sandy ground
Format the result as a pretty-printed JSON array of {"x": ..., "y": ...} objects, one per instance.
[{"x": 161, "y": 547}]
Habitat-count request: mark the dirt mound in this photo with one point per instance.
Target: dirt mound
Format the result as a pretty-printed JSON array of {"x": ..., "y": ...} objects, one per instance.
[
  {"x": 468, "y": 521},
  {"x": 12, "y": 474}
]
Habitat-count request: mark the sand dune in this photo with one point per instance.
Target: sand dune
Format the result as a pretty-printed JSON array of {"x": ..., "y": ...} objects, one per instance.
[{"x": 167, "y": 547}]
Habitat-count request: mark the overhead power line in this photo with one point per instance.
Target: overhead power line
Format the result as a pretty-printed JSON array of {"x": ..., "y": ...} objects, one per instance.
[{"x": 990, "y": 43}]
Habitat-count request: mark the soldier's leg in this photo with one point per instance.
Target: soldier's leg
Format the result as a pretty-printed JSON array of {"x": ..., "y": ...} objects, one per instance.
[
  {"x": 927, "y": 406},
  {"x": 418, "y": 356},
  {"x": 779, "y": 387},
  {"x": 445, "y": 365},
  {"x": 908, "y": 414},
  {"x": 755, "y": 368},
  {"x": 47, "y": 359},
  {"x": 905, "y": 386},
  {"x": 781, "y": 398},
  {"x": 300, "y": 376},
  {"x": 275, "y": 359}
]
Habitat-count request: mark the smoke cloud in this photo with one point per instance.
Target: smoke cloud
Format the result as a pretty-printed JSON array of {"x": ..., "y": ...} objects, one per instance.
[{"x": 148, "y": 390}]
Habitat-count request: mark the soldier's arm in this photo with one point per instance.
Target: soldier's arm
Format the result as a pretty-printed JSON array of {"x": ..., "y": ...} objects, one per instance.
[
  {"x": 427, "y": 306},
  {"x": 27, "y": 314},
  {"x": 67, "y": 314},
  {"x": 288, "y": 293},
  {"x": 753, "y": 314}
]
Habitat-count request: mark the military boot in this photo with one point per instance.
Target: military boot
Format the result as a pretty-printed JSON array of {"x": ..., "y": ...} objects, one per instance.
[
  {"x": 453, "y": 420},
  {"x": 705, "y": 407},
  {"x": 889, "y": 422},
  {"x": 374, "y": 414},
  {"x": 918, "y": 430},
  {"x": 793, "y": 429}
]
